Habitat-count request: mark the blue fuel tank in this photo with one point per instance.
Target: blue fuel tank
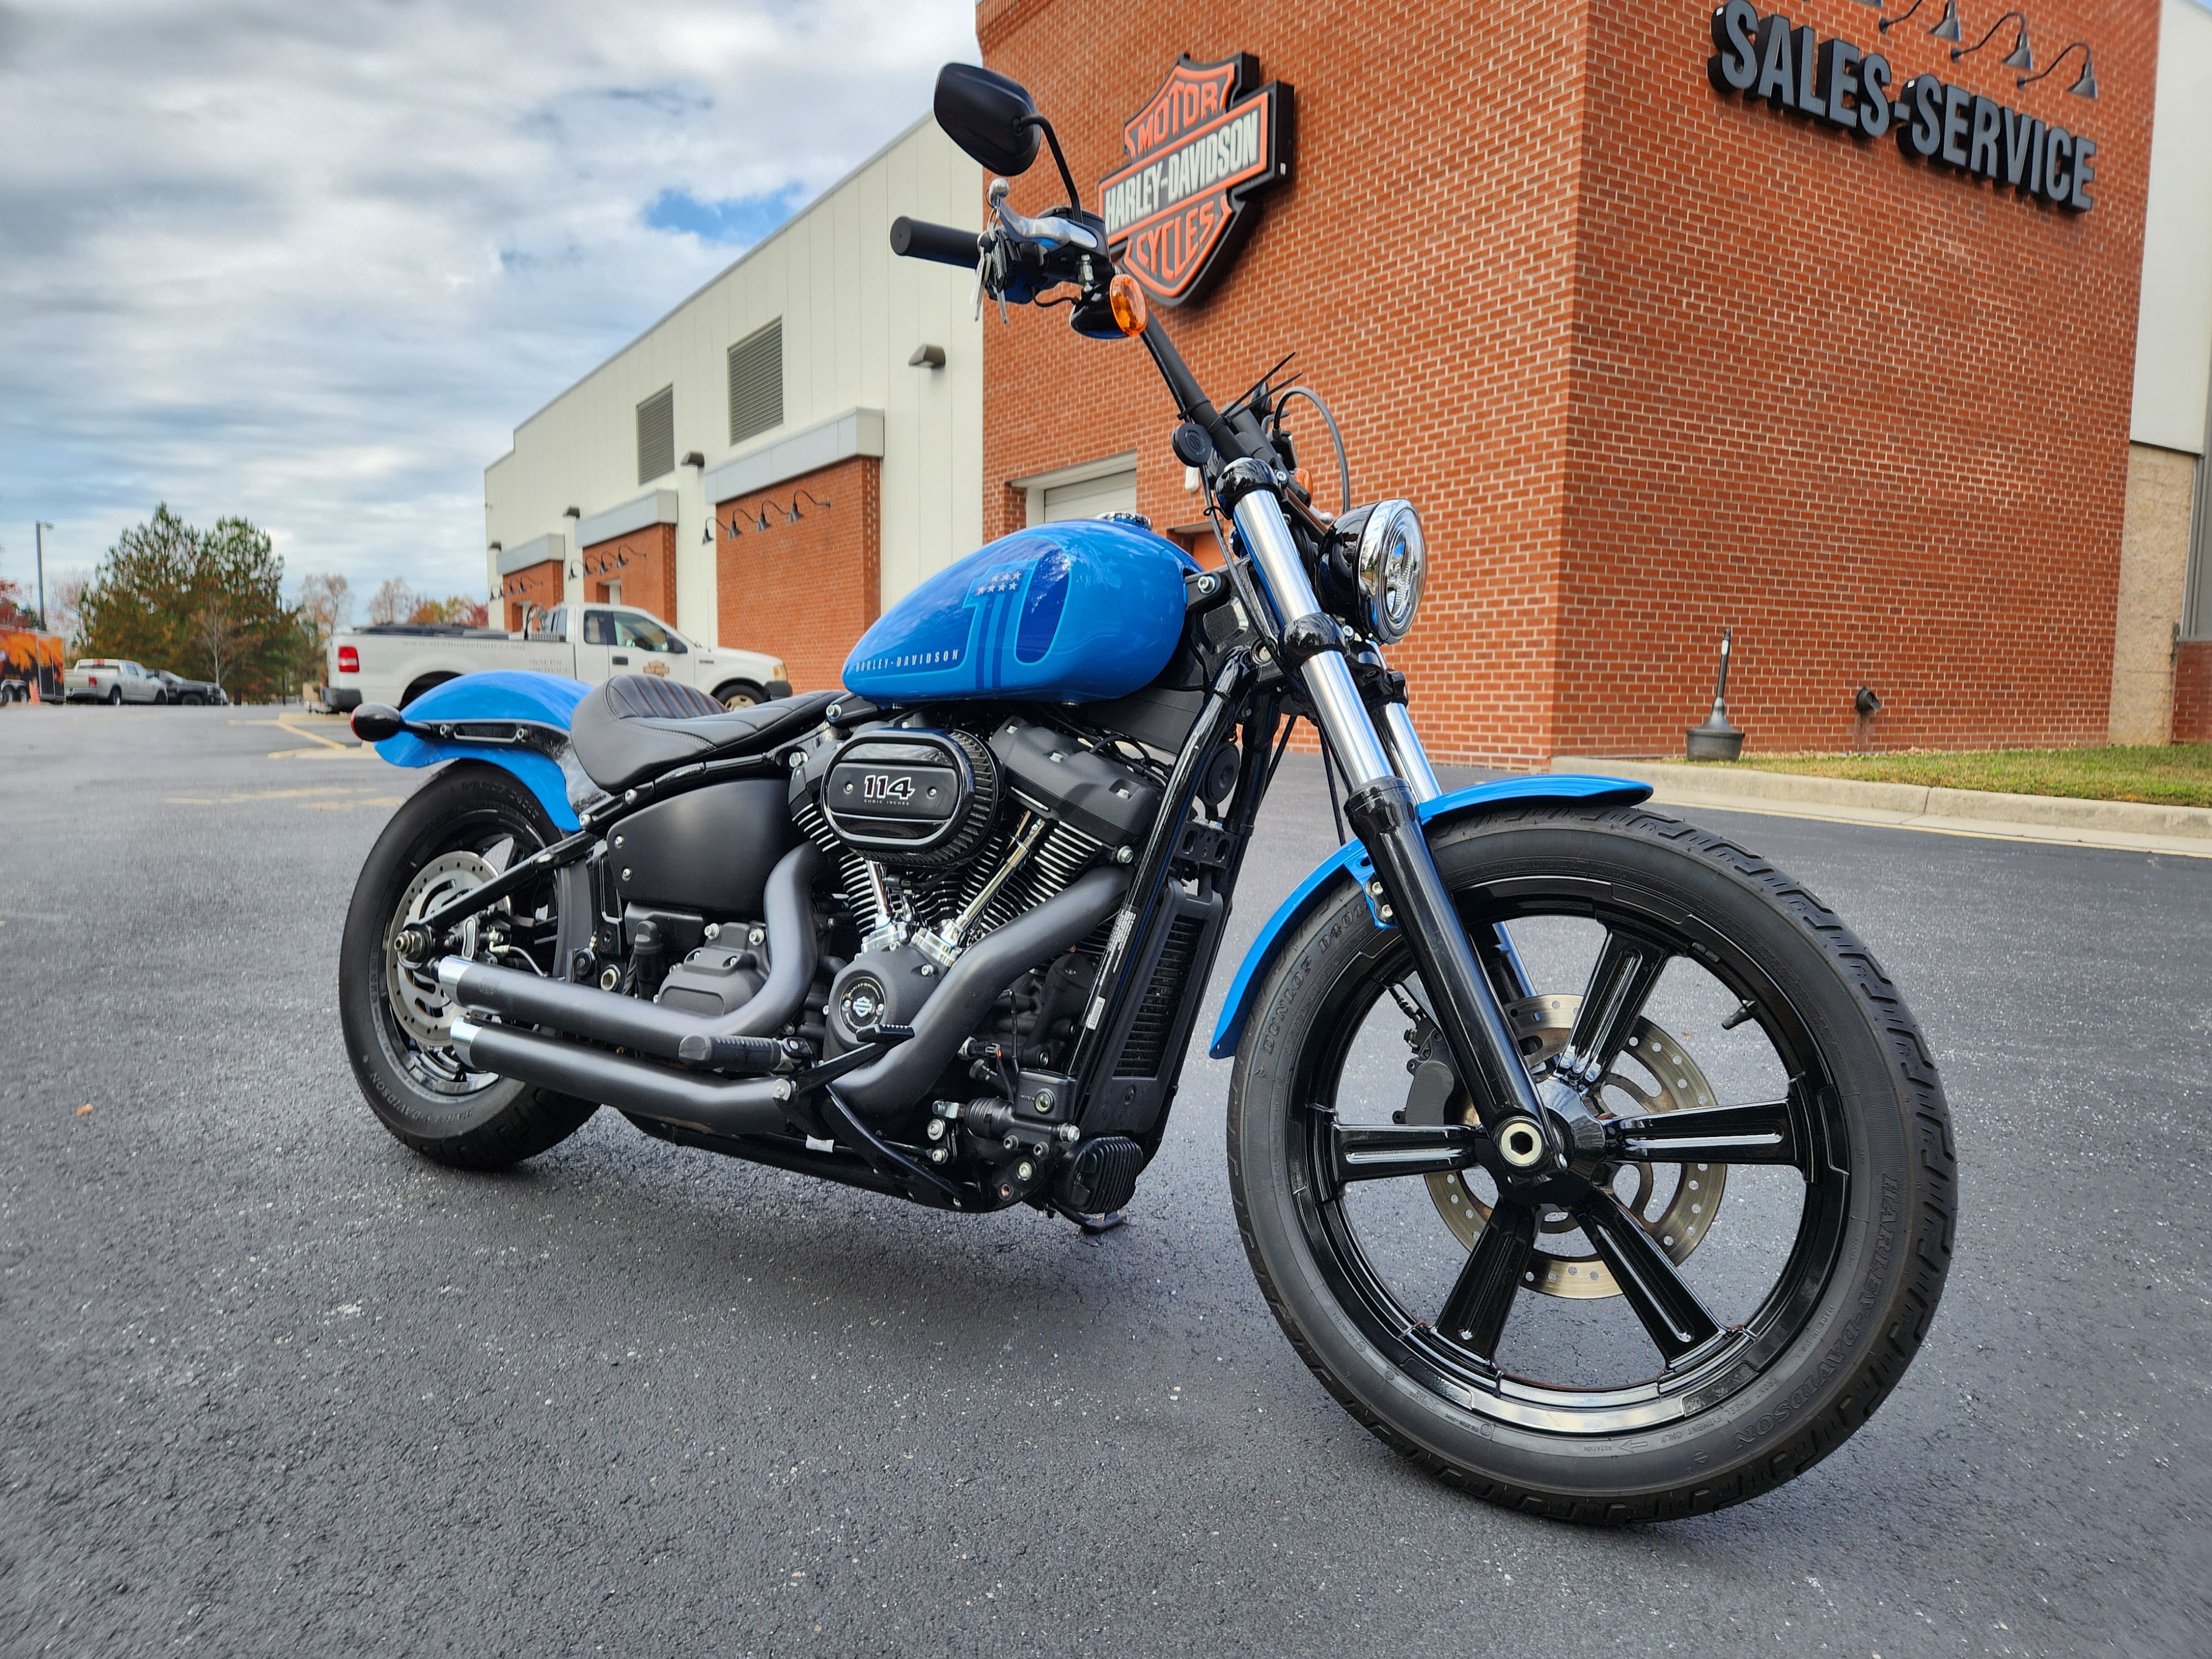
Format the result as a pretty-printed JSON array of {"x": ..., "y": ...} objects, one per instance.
[{"x": 1072, "y": 612}]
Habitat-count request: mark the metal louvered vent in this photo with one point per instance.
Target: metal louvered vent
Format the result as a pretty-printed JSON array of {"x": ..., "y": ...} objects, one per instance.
[
  {"x": 656, "y": 436},
  {"x": 756, "y": 382},
  {"x": 1148, "y": 1032}
]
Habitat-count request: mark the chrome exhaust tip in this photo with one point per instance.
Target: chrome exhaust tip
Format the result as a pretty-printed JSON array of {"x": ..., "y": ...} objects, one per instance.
[
  {"x": 463, "y": 1031},
  {"x": 450, "y": 969}
]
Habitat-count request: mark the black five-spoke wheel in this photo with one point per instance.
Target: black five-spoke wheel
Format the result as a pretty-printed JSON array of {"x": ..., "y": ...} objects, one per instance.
[{"x": 1599, "y": 1338}]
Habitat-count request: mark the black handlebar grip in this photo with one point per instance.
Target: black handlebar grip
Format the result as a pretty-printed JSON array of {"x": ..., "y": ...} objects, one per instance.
[{"x": 917, "y": 238}]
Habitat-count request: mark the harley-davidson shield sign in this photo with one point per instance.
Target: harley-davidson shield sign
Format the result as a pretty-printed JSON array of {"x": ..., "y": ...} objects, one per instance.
[{"x": 1207, "y": 140}]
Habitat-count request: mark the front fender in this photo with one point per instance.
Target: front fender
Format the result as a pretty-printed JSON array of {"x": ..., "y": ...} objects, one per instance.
[
  {"x": 1350, "y": 862},
  {"x": 543, "y": 700}
]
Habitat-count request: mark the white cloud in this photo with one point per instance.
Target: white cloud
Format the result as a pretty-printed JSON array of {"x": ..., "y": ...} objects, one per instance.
[{"x": 312, "y": 263}]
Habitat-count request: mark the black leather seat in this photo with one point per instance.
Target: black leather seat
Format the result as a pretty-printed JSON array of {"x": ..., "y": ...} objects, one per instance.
[{"x": 637, "y": 725}]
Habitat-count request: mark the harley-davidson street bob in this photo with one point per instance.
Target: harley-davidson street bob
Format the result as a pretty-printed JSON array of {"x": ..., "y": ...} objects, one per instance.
[{"x": 1587, "y": 1158}]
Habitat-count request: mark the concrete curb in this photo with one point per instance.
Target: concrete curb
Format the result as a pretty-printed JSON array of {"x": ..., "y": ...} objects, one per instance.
[{"x": 2125, "y": 825}]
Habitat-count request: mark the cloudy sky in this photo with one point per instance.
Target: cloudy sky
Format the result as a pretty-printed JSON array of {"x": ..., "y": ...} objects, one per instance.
[{"x": 312, "y": 263}]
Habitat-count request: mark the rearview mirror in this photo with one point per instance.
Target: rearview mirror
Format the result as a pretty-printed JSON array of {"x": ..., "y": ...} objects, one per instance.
[{"x": 988, "y": 116}]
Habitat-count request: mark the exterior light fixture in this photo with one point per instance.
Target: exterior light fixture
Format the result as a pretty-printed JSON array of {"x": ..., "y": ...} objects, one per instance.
[
  {"x": 2085, "y": 84},
  {"x": 707, "y": 534},
  {"x": 693, "y": 458},
  {"x": 760, "y": 523},
  {"x": 572, "y": 512},
  {"x": 1947, "y": 29},
  {"x": 927, "y": 356},
  {"x": 2018, "y": 58},
  {"x": 793, "y": 515}
]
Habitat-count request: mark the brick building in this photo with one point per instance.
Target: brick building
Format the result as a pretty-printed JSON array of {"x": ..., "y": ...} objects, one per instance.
[
  {"x": 1656, "y": 358},
  {"x": 793, "y": 443},
  {"x": 1654, "y": 354}
]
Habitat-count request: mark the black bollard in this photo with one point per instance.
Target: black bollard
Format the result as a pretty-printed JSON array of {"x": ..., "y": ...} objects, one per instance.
[{"x": 1717, "y": 740}]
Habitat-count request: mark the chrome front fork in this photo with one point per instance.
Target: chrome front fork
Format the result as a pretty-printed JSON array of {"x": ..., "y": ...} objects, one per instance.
[
  {"x": 1366, "y": 758},
  {"x": 1383, "y": 805}
]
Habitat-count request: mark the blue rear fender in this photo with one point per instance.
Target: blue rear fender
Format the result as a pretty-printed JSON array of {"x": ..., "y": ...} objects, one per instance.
[
  {"x": 1350, "y": 864},
  {"x": 547, "y": 700}
]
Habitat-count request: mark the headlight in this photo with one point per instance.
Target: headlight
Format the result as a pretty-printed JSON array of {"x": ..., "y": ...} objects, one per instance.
[{"x": 1394, "y": 562}]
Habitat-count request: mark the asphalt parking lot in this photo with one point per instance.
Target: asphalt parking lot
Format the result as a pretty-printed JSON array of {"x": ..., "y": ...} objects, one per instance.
[{"x": 272, "y": 1384}]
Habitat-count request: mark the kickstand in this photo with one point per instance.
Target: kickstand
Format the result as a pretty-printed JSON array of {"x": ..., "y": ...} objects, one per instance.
[{"x": 1091, "y": 1225}]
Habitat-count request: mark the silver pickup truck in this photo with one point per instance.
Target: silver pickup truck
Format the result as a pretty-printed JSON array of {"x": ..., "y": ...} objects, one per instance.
[
  {"x": 395, "y": 663},
  {"x": 113, "y": 679}
]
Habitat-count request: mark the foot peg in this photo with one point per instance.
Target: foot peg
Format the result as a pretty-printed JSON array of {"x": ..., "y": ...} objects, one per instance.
[
  {"x": 1102, "y": 1176},
  {"x": 749, "y": 1056}
]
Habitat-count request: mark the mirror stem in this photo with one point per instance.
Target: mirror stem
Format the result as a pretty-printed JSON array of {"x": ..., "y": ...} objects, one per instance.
[{"x": 1059, "y": 161}]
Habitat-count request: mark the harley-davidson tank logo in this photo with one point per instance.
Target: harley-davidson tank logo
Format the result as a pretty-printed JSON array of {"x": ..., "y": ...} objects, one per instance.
[{"x": 1195, "y": 156}]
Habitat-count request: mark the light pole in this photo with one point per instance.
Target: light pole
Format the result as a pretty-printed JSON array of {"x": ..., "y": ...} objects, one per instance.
[{"x": 38, "y": 535}]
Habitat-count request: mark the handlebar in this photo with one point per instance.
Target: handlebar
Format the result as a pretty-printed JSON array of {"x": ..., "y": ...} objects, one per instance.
[{"x": 918, "y": 238}]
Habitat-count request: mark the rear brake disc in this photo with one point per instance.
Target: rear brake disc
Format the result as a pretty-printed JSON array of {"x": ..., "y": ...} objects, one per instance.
[{"x": 416, "y": 1001}]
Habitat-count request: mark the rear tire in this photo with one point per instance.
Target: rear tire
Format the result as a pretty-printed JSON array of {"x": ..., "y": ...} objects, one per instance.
[
  {"x": 471, "y": 1121},
  {"x": 1761, "y": 1396},
  {"x": 115, "y": 697}
]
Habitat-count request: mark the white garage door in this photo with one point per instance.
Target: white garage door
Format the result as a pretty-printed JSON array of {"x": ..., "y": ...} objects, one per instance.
[{"x": 1115, "y": 493}]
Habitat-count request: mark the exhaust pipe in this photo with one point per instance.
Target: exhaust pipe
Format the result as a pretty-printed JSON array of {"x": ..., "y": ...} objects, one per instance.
[
  {"x": 757, "y": 1105},
  {"x": 624, "y": 1022},
  {"x": 973, "y": 984},
  {"x": 749, "y": 1106}
]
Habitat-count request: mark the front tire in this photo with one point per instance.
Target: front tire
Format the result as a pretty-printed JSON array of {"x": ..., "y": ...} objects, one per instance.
[
  {"x": 1628, "y": 1382},
  {"x": 467, "y": 822}
]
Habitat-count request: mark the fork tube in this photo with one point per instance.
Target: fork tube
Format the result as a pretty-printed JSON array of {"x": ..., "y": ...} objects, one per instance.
[
  {"x": 1328, "y": 681},
  {"x": 1407, "y": 755},
  {"x": 1467, "y": 1008}
]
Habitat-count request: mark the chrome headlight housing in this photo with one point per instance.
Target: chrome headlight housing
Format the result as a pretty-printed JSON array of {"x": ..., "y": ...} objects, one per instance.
[{"x": 1393, "y": 562}]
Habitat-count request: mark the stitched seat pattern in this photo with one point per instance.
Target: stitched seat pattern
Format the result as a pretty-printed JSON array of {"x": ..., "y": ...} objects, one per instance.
[
  {"x": 635, "y": 726},
  {"x": 648, "y": 696}
]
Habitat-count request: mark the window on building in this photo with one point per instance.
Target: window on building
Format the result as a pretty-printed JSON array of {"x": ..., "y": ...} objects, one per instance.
[
  {"x": 656, "y": 436},
  {"x": 756, "y": 382}
]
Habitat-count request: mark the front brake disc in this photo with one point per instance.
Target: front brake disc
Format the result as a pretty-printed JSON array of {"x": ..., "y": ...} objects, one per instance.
[{"x": 1653, "y": 1073}]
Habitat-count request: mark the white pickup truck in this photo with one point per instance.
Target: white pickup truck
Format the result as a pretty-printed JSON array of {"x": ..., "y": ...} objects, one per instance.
[
  {"x": 111, "y": 679},
  {"x": 395, "y": 663}
]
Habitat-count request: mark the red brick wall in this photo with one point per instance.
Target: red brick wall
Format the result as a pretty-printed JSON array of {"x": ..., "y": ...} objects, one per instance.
[
  {"x": 538, "y": 584},
  {"x": 806, "y": 591},
  {"x": 643, "y": 561},
  {"x": 1650, "y": 361},
  {"x": 2193, "y": 691}
]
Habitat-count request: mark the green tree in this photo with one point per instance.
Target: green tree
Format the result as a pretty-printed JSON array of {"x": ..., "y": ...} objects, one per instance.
[{"x": 208, "y": 604}]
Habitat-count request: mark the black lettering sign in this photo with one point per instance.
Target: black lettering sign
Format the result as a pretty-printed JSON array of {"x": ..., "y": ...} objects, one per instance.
[{"x": 1767, "y": 58}]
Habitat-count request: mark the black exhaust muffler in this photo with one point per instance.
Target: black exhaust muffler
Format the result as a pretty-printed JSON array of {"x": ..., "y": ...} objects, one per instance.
[
  {"x": 624, "y": 1022},
  {"x": 759, "y": 1105},
  {"x": 747, "y": 1106}
]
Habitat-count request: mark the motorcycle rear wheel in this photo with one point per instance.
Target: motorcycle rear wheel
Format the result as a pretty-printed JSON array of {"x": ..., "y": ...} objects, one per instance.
[
  {"x": 1522, "y": 1382},
  {"x": 466, "y": 823}
]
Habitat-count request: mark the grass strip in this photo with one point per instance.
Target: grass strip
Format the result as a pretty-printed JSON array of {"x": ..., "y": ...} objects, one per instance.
[{"x": 2179, "y": 775}]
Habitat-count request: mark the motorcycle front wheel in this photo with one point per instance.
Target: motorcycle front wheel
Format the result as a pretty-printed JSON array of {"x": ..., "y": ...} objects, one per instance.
[{"x": 1706, "y": 1304}]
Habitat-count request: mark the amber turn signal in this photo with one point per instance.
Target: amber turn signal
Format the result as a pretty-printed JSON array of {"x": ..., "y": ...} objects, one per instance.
[{"x": 1128, "y": 300}]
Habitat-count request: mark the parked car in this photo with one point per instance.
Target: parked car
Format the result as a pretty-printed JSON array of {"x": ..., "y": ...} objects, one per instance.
[
  {"x": 395, "y": 663},
  {"x": 194, "y": 692},
  {"x": 113, "y": 679}
]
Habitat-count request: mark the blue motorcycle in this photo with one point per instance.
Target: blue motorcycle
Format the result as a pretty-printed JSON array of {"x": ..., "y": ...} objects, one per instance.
[{"x": 1587, "y": 1158}]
